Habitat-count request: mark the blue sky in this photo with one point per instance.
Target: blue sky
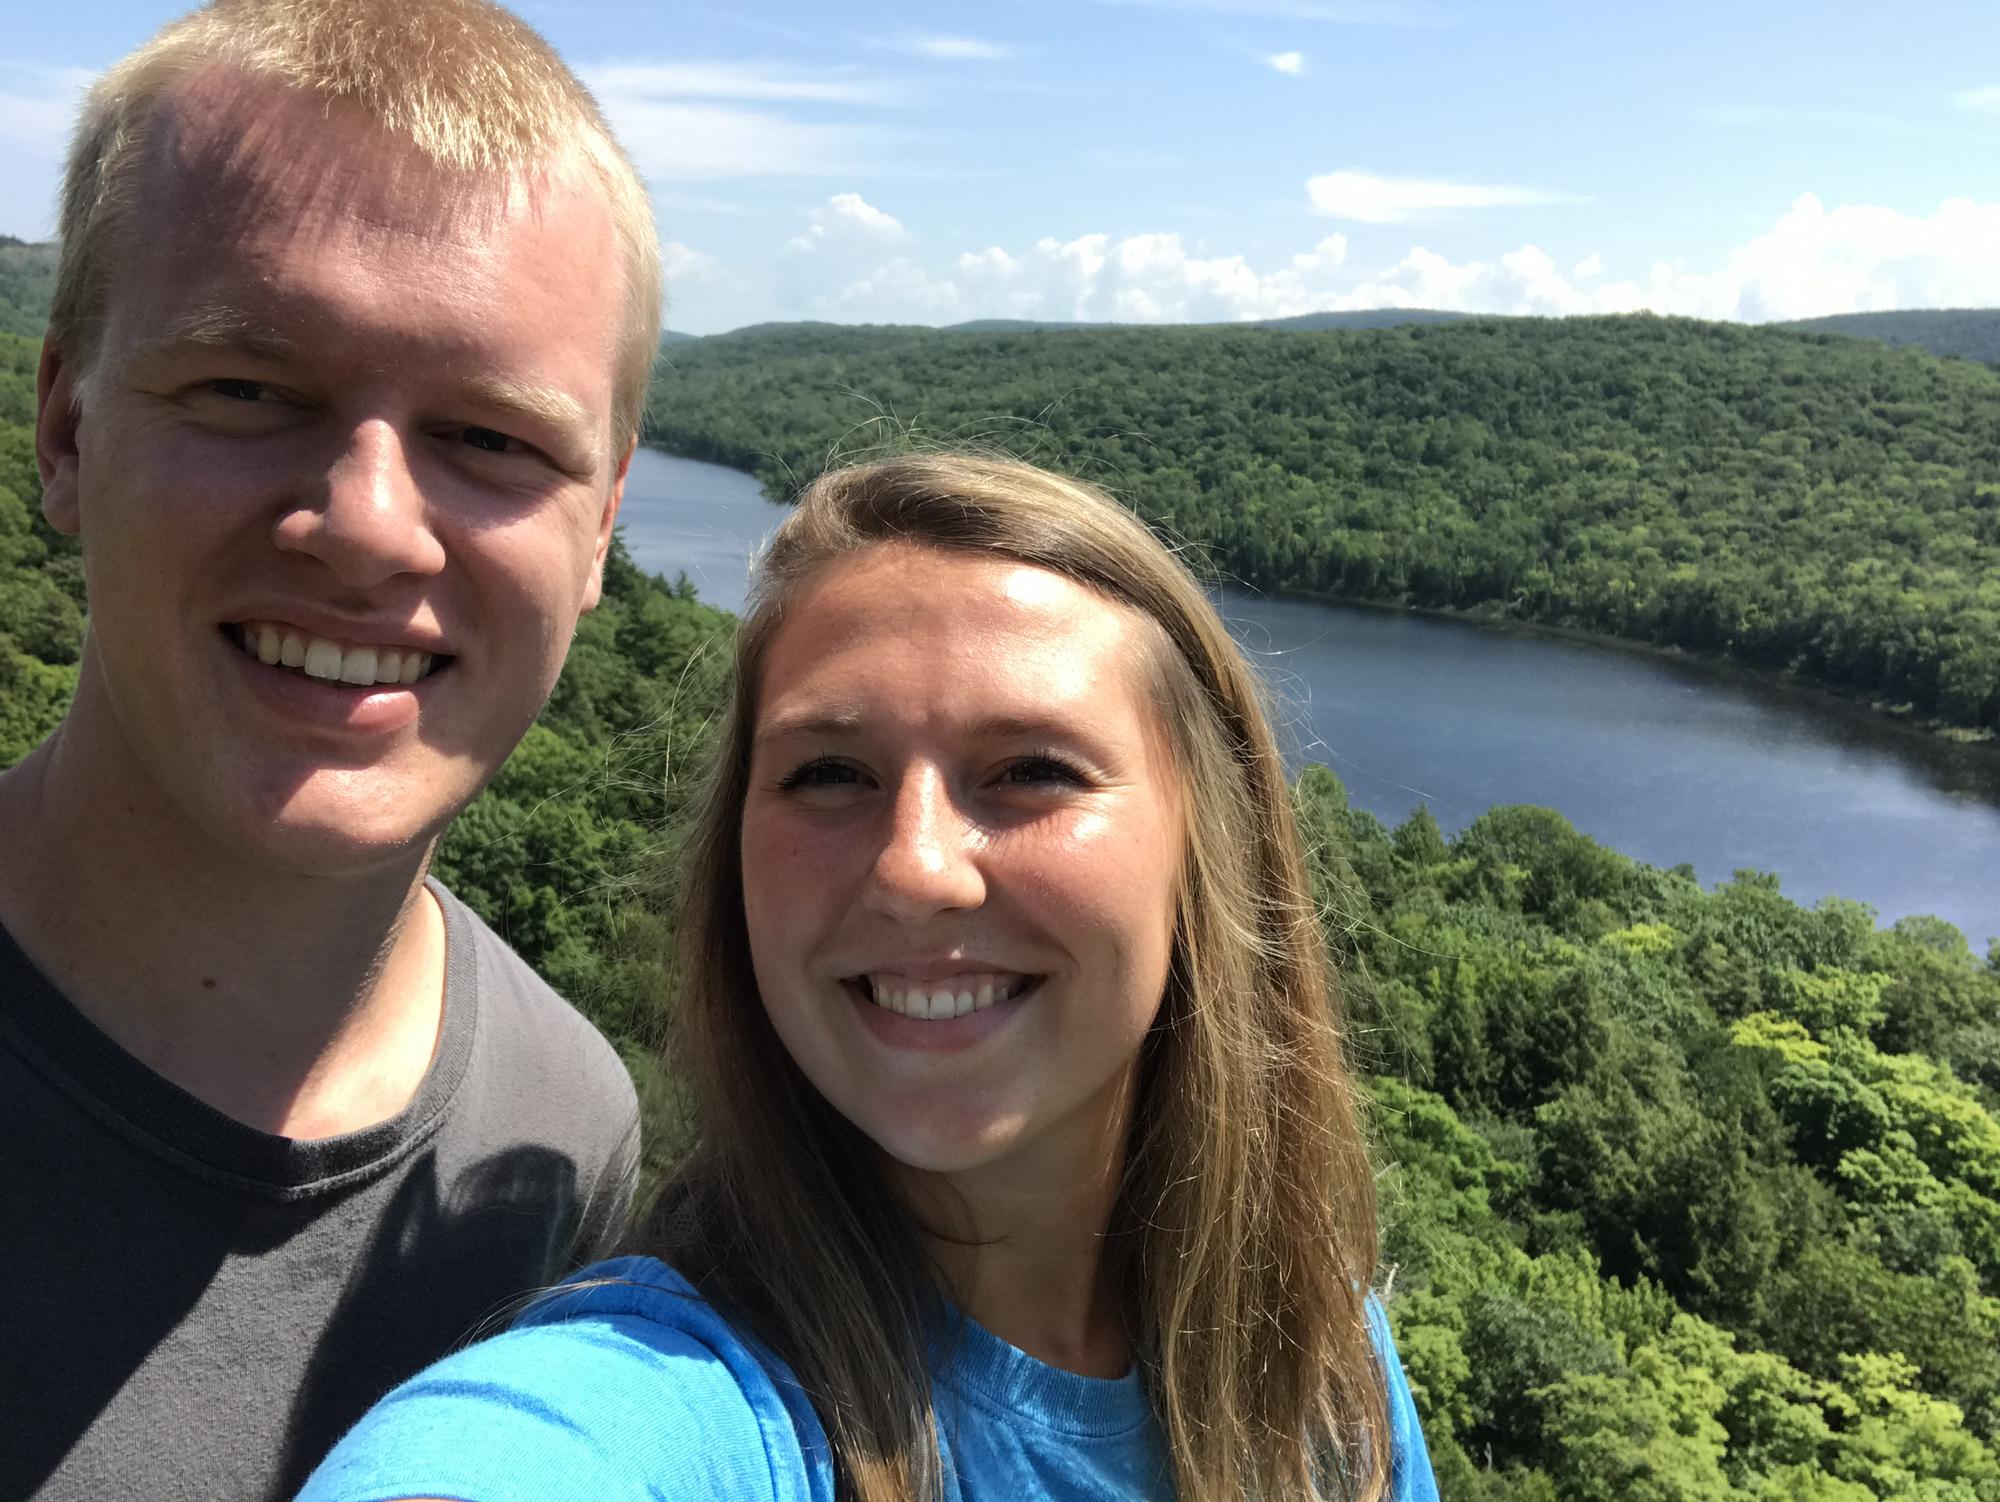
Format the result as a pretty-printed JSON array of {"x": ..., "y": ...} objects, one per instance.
[{"x": 1140, "y": 160}]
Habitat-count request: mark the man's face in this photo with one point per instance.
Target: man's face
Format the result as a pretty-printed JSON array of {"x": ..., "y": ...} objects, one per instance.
[{"x": 352, "y": 414}]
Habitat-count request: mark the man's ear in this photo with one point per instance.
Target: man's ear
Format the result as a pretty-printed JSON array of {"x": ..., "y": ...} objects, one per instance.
[
  {"x": 594, "y": 589},
  {"x": 58, "y": 413}
]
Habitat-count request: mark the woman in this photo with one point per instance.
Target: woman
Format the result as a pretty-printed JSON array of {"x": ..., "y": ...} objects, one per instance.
[{"x": 1025, "y": 1161}]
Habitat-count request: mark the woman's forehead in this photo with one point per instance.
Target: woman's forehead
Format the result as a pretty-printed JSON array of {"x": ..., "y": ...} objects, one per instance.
[{"x": 958, "y": 623}]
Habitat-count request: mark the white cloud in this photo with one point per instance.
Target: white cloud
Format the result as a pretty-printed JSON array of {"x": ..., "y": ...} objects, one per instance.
[
  {"x": 1371, "y": 199},
  {"x": 1813, "y": 260},
  {"x": 954, "y": 48},
  {"x": 1984, "y": 101},
  {"x": 850, "y": 211},
  {"x": 1146, "y": 278},
  {"x": 680, "y": 264},
  {"x": 1293, "y": 63}
]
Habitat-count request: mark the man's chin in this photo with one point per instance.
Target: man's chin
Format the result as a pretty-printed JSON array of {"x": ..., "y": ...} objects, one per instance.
[{"x": 331, "y": 833}]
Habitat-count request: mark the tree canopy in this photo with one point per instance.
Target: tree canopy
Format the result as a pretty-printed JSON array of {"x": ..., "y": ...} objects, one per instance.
[{"x": 1813, "y": 505}]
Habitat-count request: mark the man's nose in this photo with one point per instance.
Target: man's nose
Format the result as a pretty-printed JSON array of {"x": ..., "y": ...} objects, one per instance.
[
  {"x": 368, "y": 521},
  {"x": 929, "y": 859}
]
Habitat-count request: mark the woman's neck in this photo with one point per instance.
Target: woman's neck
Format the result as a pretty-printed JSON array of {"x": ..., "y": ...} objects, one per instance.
[{"x": 1021, "y": 1247}]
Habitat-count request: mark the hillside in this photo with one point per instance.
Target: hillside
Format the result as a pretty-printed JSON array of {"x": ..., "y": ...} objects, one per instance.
[
  {"x": 1810, "y": 504},
  {"x": 1965, "y": 333}
]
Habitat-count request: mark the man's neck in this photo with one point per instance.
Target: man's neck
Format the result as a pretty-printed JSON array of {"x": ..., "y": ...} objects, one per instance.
[{"x": 303, "y": 1006}]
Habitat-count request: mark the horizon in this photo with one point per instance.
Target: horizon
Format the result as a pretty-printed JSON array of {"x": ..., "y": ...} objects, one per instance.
[{"x": 1217, "y": 161}]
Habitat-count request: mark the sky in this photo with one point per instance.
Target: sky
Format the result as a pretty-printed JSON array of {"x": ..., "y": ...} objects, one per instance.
[{"x": 1207, "y": 160}]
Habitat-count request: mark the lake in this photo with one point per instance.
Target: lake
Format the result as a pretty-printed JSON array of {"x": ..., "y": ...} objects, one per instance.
[{"x": 1667, "y": 759}]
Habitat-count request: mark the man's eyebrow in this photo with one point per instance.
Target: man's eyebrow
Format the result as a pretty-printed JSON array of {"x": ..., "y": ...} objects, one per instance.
[
  {"x": 220, "y": 328},
  {"x": 543, "y": 403}
]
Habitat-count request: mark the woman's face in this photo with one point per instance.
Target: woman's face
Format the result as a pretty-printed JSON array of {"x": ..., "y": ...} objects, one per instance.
[{"x": 961, "y": 848}]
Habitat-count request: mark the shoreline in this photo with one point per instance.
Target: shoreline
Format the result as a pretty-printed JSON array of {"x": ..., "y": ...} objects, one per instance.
[{"x": 1929, "y": 727}]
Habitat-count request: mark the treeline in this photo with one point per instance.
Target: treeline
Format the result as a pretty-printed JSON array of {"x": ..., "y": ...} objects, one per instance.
[{"x": 1814, "y": 505}]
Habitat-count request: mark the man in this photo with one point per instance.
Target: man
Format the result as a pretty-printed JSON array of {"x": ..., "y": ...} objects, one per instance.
[{"x": 354, "y": 318}]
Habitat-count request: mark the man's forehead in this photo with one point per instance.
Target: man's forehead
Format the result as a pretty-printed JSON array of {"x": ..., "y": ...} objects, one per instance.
[{"x": 231, "y": 149}]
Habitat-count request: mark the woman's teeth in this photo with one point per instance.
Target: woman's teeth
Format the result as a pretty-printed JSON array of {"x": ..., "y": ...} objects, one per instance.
[
  {"x": 318, "y": 657},
  {"x": 936, "y": 1003}
]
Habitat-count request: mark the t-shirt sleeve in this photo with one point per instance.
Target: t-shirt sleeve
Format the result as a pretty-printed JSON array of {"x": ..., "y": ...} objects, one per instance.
[
  {"x": 611, "y": 1407},
  {"x": 1410, "y": 1477}
]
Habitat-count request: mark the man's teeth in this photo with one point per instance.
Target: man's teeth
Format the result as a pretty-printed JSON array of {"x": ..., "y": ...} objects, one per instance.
[
  {"x": 317, "y": 657},
  {"x": 935, "y": 1004}
]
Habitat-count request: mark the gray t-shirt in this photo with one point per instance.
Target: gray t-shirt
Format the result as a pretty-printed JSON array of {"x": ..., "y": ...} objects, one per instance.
[{"x": 190, "y": 1307}]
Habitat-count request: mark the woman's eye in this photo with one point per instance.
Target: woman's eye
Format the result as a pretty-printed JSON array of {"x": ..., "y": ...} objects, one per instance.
[
  {"x": 1036, "y": 770},
  {"x": 819, "y": 773}
]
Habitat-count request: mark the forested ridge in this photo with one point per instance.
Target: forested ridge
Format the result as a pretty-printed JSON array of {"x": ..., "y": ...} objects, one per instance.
[
  {"x": 1966, "y": 333},
  {"x": 1687, "y": 1195},
  {"x": 1822, "y": 506}
]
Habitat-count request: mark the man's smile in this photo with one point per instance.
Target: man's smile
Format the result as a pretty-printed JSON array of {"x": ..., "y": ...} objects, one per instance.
[{"x": 363, "y": 665}]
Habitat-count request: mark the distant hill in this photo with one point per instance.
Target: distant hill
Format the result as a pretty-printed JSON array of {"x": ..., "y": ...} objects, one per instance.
[
  {"x": 27, "y": 281},
  {"x": 1968, "y": 333},
  {"x": 1804, "y": 502},
  {"x": 1365, "y": 318}
]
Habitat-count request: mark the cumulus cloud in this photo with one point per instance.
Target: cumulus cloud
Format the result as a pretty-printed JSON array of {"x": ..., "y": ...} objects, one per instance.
[
  {"x": 1293, "y": 63},
  {"x": 1812, "y": 261},
  {"x": 844, "y": 216},
  {"x": 1370, "y": 199},
  {"x": 1144, "y": 278}
]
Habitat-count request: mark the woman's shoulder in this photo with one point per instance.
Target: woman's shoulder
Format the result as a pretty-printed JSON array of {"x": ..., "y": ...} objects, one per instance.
[
  {"x": 621, "y": 1382},
  {"x": 1411, "y": 1479}
]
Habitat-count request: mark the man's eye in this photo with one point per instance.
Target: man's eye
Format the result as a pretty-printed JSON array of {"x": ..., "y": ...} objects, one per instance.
[
  {"x": 491, "y": 440},
  {"x": 240, "y": 391}
]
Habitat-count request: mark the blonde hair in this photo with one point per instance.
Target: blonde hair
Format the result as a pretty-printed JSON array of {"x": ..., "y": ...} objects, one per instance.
[
  {"x": 1244, "y": 1236},
  {"x": 472, "y": 88}
]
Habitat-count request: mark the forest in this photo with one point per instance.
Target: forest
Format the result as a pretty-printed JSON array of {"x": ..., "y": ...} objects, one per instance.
[
  {"x": 1688, "y": 1194},
  {"x": 1814, "y": 505}
]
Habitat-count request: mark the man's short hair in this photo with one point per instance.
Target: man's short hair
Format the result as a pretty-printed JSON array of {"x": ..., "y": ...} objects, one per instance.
[{"x": 471, "y": 87}]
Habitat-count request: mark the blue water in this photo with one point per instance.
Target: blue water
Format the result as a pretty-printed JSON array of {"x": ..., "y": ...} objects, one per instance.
[{"x": 1665, "y": 759}]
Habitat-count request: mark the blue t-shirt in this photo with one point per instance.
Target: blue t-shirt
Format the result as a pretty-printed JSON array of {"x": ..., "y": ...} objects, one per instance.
[{"x": 636, "y": 1390}]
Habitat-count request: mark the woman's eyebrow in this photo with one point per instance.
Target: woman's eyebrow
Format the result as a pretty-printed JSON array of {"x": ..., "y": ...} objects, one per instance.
[{"x": 811, "y": 721}]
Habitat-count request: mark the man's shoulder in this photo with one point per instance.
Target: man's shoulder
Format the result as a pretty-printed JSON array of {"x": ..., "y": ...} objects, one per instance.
[{"x": 529, "y": 1041}]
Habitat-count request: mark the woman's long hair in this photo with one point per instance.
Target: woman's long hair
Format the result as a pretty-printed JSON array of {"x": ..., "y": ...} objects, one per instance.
[{"x": 1243, "y": 1238}]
